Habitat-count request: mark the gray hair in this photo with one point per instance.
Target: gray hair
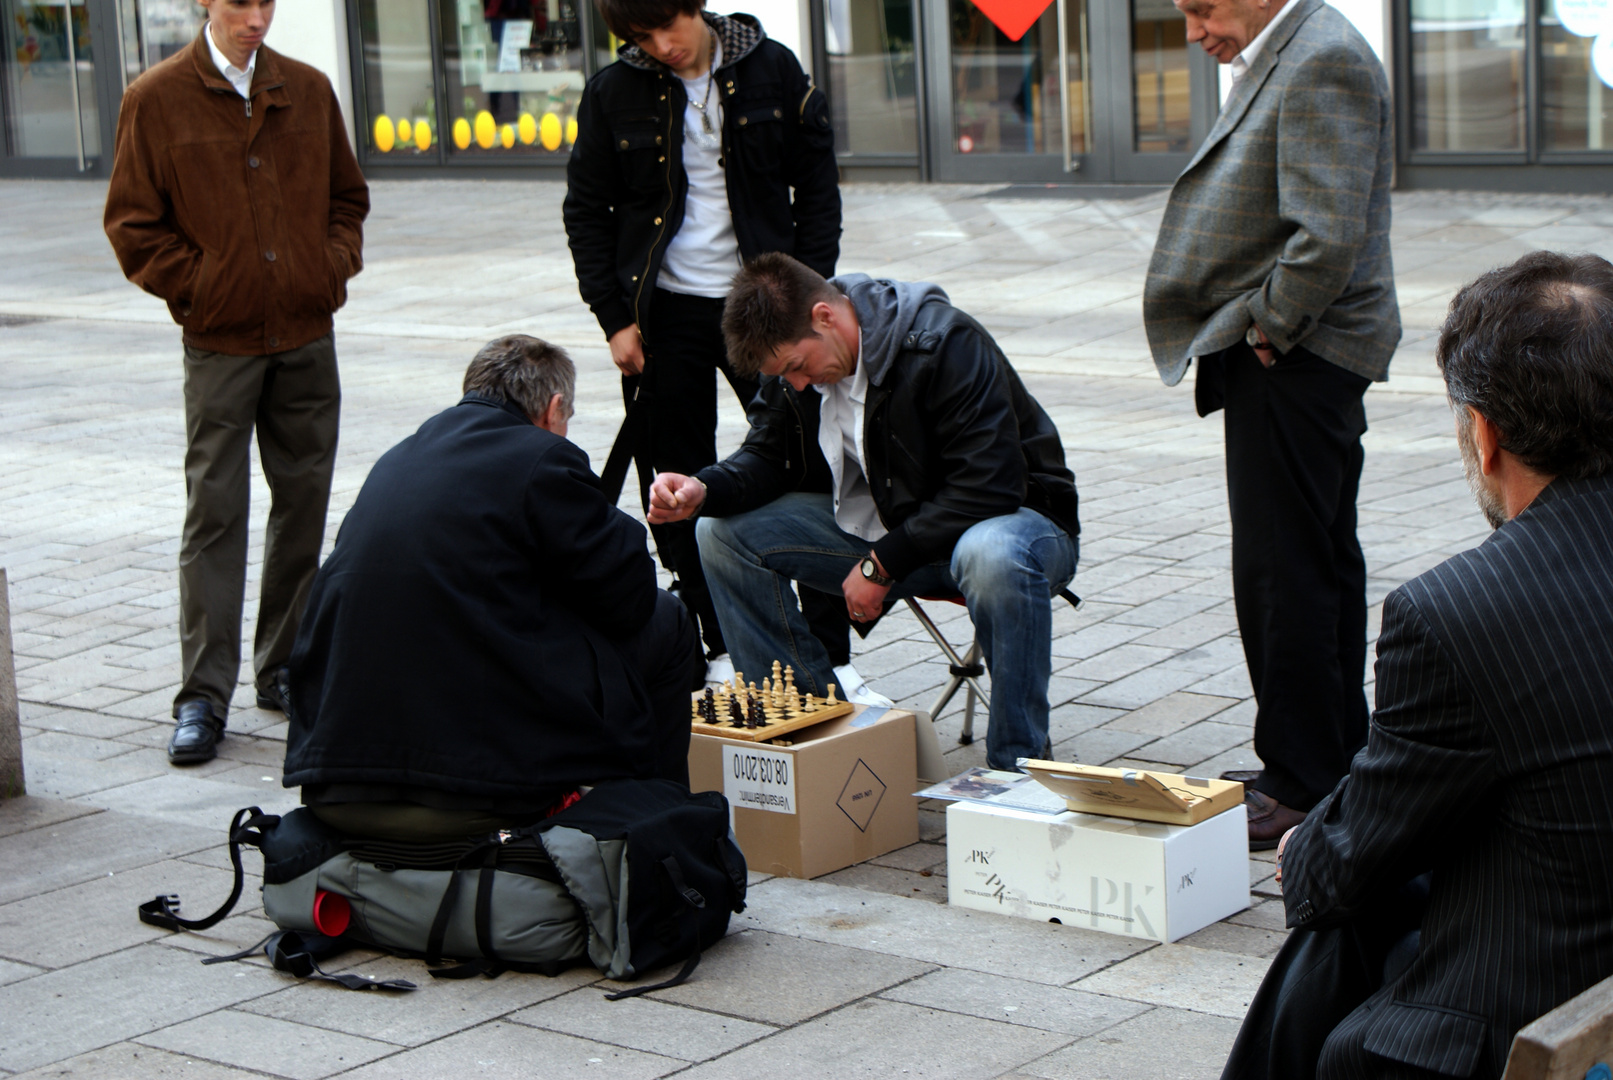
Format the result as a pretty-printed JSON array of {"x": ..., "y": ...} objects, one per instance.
[{"x": 524, "y": 371}]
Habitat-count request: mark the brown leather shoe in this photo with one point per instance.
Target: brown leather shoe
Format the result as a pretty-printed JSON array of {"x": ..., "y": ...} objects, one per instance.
[{"x": 1268, "y": 819}]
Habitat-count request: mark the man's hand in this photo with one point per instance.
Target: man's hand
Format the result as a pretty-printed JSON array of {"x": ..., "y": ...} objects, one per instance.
[
  {"x": 1282, "y": 844},
  {"x": 1263, "y": 352},
  {"x": 627, "y": 350},
  {"x": 864, "y": 599},
  {"x": 674, "y": 497}
]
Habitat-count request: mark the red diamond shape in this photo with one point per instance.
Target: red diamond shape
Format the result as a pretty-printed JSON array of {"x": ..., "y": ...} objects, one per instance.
[{"x": 1013, "y": 17}]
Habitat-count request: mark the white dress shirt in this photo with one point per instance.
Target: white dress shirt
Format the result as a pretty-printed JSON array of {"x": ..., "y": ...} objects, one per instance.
[
  {"x": 1245, "y": 60},
  {"x": 703, "y": 257},
  {"x": 241, "y": 80},
  {"x": 840, "y": 437}
]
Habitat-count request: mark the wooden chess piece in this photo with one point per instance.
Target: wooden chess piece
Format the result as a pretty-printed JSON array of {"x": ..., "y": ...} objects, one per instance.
[{"x": 830, "y": 700}]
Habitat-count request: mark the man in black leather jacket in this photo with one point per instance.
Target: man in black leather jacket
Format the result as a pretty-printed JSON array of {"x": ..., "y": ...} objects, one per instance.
[
  {"x": 947, "y": 477},
  {"x": 703, "y": 146}
]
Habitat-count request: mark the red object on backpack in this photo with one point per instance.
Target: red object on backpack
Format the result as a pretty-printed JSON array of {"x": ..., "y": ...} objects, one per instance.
[{"x": 332, "y": 913}]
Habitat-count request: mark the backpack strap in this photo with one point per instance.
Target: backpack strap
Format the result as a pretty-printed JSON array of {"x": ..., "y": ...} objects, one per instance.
[
  {"x": 298, "y": 954},
  {"x": 163, "y": 911},
  {"x": 690, "y": 896}
]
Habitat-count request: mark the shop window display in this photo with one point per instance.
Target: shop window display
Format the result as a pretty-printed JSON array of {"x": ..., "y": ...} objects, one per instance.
[
  {"x": 515, "y": 74},
  {"x": 398, "y": 85},
  {"x": 1576, "y": 75}
]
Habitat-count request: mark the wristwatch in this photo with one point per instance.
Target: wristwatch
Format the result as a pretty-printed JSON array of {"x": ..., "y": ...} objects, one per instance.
[
  {"x": 1252, "y": 337},
  {"x": 870, "y": 570}
]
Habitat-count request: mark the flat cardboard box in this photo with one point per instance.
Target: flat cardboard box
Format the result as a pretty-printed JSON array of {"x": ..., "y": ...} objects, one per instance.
[
  {"x": 1134, "y": 878},
  {"x": 839, "y": 794},
  {"x": 1136, "y": 793}
]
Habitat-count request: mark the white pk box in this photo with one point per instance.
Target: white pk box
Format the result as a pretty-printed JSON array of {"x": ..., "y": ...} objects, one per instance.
[{"x": 1134, "y": 878}]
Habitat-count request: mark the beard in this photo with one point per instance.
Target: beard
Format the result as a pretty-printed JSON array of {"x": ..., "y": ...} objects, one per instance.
[{"x": 1489, "y": 502}]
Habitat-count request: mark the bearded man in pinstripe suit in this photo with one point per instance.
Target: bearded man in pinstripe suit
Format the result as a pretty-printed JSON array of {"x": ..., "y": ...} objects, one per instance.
[{"x": 1458, "y": 883}]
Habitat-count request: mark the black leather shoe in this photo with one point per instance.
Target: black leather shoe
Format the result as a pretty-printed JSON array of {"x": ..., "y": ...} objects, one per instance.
[
  {"x": 196, "y": 736},
  {"x": 277, "y": 695},
  {"x": 1268, "y": 819}
]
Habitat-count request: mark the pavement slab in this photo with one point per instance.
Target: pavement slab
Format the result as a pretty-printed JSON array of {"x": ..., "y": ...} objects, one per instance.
[
  {"x": 291, "y": 1050},
  {"x": 643, "y": 1023},
  {"x": 507, "y": 1051}
]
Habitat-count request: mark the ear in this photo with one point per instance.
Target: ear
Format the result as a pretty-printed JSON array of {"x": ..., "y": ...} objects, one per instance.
[
  {"x": 553, "y": 416},
  {"x": 823, "y": 317},
  {"x": 1486, "y": 440}
]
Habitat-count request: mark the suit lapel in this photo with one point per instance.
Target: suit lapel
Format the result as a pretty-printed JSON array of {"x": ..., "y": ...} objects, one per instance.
[{"x": 1243, "y": 93}]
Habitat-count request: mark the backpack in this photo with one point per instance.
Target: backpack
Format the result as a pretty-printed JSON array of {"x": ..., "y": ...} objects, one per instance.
[{"x": 635, "y": 875}]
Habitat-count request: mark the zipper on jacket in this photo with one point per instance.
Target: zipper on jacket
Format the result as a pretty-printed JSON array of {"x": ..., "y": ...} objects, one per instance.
[
  {"x": 666, "y": 216},
  {"x": 249, "y": 108}
]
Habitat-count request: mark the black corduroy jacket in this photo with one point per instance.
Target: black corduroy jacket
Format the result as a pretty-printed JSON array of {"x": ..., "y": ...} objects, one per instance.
[{"x": 626, "y": 185}]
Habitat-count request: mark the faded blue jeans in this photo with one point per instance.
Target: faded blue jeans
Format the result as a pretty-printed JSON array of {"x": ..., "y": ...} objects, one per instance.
[{"x": 1007, "y": 568}]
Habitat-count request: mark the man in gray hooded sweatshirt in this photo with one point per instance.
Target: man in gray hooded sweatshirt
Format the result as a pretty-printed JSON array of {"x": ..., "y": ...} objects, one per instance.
[{"x": 944, "y": 477}]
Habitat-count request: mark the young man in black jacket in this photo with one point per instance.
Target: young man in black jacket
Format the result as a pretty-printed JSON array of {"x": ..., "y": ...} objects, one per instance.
[
  {"x": 705, "y": 145},
  {"x": 487, "y": 634},
  {"x": 946, "y": 478}
]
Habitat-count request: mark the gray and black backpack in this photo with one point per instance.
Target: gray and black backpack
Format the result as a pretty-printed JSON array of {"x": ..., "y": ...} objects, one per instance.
[{"x": 636, "y": 875}]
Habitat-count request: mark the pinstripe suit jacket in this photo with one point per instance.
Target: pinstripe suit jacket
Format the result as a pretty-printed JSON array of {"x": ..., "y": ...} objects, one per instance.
[
  {"x": 1490, "y": 764},
  {"x": 1282, "y": 216}
]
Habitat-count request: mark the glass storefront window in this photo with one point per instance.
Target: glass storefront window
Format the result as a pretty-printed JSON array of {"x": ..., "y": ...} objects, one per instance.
[
  {"x": 1576, "y": 74},
  {"x": 1467, "y": 68},
  {"x": 1005, "y": 94},
  {"x": 873, "y": 87},
  {"x": 49, "y": 80},
  {"x": 1162, "y": 106},
  {"x": 154, "y": 30},
  {"x": 515, "y": 75},
  {"x": 398, "y": 86}
]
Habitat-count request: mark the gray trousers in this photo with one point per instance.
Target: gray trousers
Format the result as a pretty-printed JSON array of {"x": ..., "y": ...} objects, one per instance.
[{"x": 293, "y": 399}]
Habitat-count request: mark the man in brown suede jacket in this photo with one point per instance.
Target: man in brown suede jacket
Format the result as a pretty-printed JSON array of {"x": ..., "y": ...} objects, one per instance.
[{"x": 235, "y": 197}]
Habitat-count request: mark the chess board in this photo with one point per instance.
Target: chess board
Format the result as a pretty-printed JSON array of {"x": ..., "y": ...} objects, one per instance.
[{"x": 754, "y": 713}]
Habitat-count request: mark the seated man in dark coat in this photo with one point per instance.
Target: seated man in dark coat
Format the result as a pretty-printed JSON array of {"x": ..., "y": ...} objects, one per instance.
[
  {"x": 487, "y": 634},
  {"x": 1458, "y": 883}
]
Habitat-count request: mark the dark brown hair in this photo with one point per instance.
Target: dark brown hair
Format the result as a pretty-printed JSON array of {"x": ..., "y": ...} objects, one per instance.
[
  {"x": 769, "y": 305},
  {"x": 629, "y": 18},
  {"x": 1530, "y": 346},
  {"x": 525, "y": 371}
]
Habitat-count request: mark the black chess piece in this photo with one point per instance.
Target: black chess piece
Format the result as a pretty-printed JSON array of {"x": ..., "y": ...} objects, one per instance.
[
  {"x": 736, "y": 715},
  {"x": 708, "y": 707}
]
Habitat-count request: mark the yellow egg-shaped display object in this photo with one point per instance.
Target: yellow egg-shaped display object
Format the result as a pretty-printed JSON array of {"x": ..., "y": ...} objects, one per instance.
[
  {"x": 462, "y": 133},
  {"x": 405, "y": 132},
  {"x": 422, "y": 134},
  {"x": 486, "y": 130},
  {"x": 549, "y": 131},
  {"x": 527, "y": 128},
  {"x": 571, "y": 132},
  {"x": 506, "y": 136},
  {"x": 384, "y": 135}
]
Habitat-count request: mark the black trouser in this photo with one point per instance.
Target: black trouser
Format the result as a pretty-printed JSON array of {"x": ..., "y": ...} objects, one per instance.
[
  {"x": 683, "y": 346},
  {"x": 1307, "y": 1018},
  {"x": 1293, "y": 435}
]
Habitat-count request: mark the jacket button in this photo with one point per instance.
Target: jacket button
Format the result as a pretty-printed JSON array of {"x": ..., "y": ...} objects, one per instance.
[
  {"x": 252, "y": 161},
  {"x": 661, "y": 158},
  {"x": 658, "y": 221},
  {"x": 658, "y": 140},
  {"x": 269, "y": 255},
  {"x": 722, "y": 163},
  {"x": 274, "y": 341},
  {"x": 635, "y": 277},
  {"x": 743, "y": 120},
  {"x": 778, "y": 113},
  {"x": 663, "y": 97},
  {"x": 624, "y": 144}
]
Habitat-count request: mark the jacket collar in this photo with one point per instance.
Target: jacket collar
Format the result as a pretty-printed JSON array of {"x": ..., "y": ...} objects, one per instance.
[
  {"x": 510, "y": 407},
  {"x": 739, "y": 34},
  {"x": 1243, "y": 93},
  {"x": 266, "y": 75}
]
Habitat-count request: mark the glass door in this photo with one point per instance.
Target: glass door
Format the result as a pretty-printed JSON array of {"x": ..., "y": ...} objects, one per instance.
[
  {"x": 49, "y": 87},
  {"x": 1163, "y": 98}
]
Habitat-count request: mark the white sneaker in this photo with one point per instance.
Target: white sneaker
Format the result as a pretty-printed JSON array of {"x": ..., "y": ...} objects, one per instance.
[
  {"x": 852, "y": 688},
  {"x": 719, "y": 669}
]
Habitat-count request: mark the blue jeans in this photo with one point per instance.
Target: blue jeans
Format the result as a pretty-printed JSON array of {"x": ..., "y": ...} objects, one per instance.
[{"x": 1007, "y": 568}]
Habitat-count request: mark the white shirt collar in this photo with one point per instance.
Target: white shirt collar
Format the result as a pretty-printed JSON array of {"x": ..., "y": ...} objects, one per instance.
[
  {"x": 1246, "y": 59},
  {"x": 242, "y": 80}
]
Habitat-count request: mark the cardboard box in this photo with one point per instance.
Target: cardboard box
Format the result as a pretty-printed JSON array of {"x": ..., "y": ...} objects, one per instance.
[
  {"x": 1133, "y": 878},
  {"x": 839, "y": 794}
]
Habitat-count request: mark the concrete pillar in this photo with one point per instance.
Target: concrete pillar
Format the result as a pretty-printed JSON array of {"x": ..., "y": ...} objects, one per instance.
[{"x": 11, "y": 780}]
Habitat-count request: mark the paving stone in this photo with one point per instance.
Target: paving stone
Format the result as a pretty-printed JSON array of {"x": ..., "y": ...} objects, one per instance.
[
  {"x": 1194, "y": 744},
  {"x": 438, "y": 1008},
  {"x": 1263, "y": 915},
  {"x": 189, "y": 800},
  {"x": 882, "y": 1038},
  {"x": 992, "y": 997},
  {"x": 1170, "y": 714},
  {"x": 34, "y": 811},
  {"x": 505, "y": 1051},
  {"x": 920, "y": 856},
  {"x": 1231, "y": 937},
  {"x": 126, "y": 1060},
  {"x": 892, "y": 881},
  {"x": 69, "y": 925},
  {"x": 642, "y": 1023},
  {"x": 741, "y": 976},
  {"x": 1098, "y": 746},
  {"x": 259, "y": 1042},
  {"x": 55, "y": 856},
  {"x": 1183, "y": 977},
  {"x": 11, "y": 972},
  {"x": 1163, "y": 1044},
  {"x": 64, "y": 1013},
  {"x": 955, "y": 937}
]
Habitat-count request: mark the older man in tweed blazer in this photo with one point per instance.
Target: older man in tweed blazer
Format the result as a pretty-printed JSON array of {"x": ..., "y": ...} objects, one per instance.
[
  {"x": 1272, "y": 269},
  {"x": 1488, "y": 772}
]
